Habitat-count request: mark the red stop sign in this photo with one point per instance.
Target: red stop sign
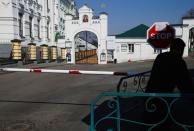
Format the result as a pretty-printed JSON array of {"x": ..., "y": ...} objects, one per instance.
[{"x": 160, "y": 35}]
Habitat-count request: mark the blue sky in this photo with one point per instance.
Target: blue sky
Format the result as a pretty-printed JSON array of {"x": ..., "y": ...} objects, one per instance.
[{"x": 126, "y": 14}]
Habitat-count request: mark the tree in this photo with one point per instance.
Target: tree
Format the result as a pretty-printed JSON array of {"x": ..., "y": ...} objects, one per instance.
[{"x": 189, "y": 13}]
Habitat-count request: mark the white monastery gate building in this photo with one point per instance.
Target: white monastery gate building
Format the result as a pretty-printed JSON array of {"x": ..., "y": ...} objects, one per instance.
[{"x": 86, "y": 21}]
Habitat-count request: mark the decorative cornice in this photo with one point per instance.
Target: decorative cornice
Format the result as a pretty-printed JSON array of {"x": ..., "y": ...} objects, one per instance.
[{"x": 16, "y": 40}]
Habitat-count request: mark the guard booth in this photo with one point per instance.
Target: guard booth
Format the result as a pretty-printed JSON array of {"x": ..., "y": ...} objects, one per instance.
[
  {"x": 52, "y": 53},
  {"x": 42, "y": 53},
  {"x": 32, "y": 51},
  {"x": 16, "y": 53},
  {"x": 63, "y": 54},
  {"x": 28, "y": 53}
]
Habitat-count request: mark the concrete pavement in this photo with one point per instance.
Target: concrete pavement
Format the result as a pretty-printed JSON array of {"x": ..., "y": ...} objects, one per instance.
[{"x": 74, "y": 91}]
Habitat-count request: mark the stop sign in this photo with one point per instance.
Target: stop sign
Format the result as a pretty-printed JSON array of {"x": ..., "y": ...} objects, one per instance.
[{"x": 160, "y": 35}]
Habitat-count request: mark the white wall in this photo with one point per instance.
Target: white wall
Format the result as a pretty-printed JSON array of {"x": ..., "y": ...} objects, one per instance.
[
  {"x": 7, "y": 21},
  {"x": 142, "y": 50},
  {"x": 189, "y": 21}
]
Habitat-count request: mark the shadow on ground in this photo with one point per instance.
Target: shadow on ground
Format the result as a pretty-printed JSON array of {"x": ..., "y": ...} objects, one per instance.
[{"x": 141, "y": 114}]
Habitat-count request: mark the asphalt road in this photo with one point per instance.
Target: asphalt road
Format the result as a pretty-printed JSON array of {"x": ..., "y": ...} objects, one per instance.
[{"x": 73, "y": 93}]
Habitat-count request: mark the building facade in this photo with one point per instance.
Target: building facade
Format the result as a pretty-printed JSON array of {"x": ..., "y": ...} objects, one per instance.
[
  {"x": 57, "y": 23},
  {"x": 32, "y": 21},
  {"x": 63, "y": 8},
  {"x": 133, "y": 46}
]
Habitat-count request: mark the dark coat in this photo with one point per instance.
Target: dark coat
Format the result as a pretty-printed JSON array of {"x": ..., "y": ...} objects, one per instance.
[{"x": 169, "y": 71}]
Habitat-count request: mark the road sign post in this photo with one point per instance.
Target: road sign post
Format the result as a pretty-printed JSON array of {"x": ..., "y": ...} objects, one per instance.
[{"x": 160, "y": 35}]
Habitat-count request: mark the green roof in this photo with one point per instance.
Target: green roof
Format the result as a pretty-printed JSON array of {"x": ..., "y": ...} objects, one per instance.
[{"x": 139, "y": 31}]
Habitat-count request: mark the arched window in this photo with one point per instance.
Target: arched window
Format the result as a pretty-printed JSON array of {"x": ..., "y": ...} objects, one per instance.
[
  {"x": 85, "y": 18},
  {"x": 30, "y": 25},
  {"x": 38, "y": 21},
  {"x": 21, "y": 24}
]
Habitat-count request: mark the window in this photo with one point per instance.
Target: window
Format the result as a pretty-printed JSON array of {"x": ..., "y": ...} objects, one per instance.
[
  {"x": 131, "y": 48},
  {"x": 30, "y": 26},
  {"x": 47, "y": 6},
  {"x": 56, "y": 27},
  {"x": 21, "y": 25},
  {"x": 123, "y": 47},
  {"x": 48, "y": 30},
  {"x": 71, "y": 7},
  {"x": 38, "y": 29},
  {"x": 157, "y": 51}
]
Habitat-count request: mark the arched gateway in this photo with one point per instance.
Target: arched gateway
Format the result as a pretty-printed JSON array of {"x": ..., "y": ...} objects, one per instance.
[{"x": 78, "y": 34}]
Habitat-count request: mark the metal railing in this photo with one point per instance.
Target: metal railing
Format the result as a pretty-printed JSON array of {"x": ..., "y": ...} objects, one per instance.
[
  {"x": 129, "y": 108},
  {"x": 117, "y": 114},
  {"x": 134, "y": 81}
]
